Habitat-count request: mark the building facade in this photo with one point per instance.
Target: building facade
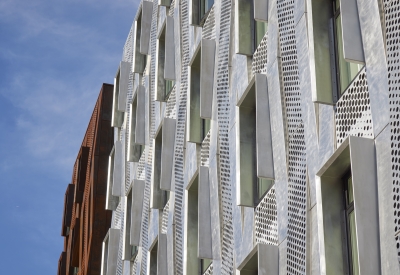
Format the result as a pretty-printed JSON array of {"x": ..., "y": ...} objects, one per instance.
[
  {"x": 85, "y": 220},
  {"x": 256, "y": 137}
]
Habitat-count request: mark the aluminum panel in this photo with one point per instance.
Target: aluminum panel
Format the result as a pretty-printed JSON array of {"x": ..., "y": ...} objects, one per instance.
[
  {"x": 265, "y": 160},
  {"x": 138, "y": 187},
  {"x": 353, "y": 50},
  {"x": 159, "y": 72},
  {"x": 169, "y": 66},
  {"x": 167, "y": 154},
  {"x": 194, "y": 7},
  {"x": 204, "y": 230},
  {"x": 207, "y": 77},
  {"x": 113, "y": 247},
  {"x": 123, "y": 74},
  {"x": 162, "y": 255},
  {"x": 139, "y": 60},
  {"x": 117, "y": 117},
  {"x": 376, "y": 66},
  {"x": 299, "y": 10},
  {"x": 244, "y": 27},
  {"x": 118, "y": 177},
  {"x": 268, "y": 259},
  {"x": 140, "y": 129},
  {"x": 147, "y": 10},
  {"x": 111, "y": 201},
  {"x": 363, "y": 169},
  {"x": 387, "y": 244},
  {"x": 260, "y": 8}
]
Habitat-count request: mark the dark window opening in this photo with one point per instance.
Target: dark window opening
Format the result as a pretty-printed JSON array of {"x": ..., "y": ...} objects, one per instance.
[{"x": 351, "y": 236}]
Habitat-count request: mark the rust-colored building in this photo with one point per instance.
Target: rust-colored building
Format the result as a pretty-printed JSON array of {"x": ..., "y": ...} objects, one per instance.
[{"x": 85, "y": 221}]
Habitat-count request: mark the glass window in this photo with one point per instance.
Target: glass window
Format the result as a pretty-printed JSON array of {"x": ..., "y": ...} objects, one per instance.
[
  {"x": 260, "y": 29},
  {"x": 205, "y": 6},
  {"x": 134, "y": 250},
  {"x": 351, "y": 227},
  {"x": 346, "y": 71},
  {"x": 204, "y": 264},
  {"x": 206, "y": 126},
  {"x": 169, "y": 84},
  {"x": 263, "y": 186}
]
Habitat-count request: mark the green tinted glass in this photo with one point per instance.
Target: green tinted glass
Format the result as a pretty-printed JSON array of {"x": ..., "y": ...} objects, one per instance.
[
  {"x": 205, "y": 263},
  {"x": 169, "y": 84},
  {"x": 347, "y": 70},
  {"x": 353, "y": 241},
  {"x": 263, "y": 185},
  {"x": 260, "y": 30},
  {"x": 134, "y": 250},
  {"x": 206, "y": 127}
]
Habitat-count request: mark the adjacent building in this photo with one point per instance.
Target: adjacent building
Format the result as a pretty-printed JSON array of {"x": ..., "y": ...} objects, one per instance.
[
  {"x": 85, "y": 220},
  {"x": 256, "y": 137}
]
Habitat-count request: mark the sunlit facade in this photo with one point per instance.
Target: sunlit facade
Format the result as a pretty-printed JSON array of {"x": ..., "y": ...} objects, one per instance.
[{"x": 256, "y": 137}]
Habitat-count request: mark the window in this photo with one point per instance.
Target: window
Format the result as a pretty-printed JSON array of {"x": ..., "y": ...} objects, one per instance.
[
  {"x": 114, "y": 177},
  {"x": 262, "y": 188},
  {"x": 255, "y": 147},
  {"x": 137, "y": 124},
  {"x": 260, "y": 29},
  {"x": 205, "y": 127},
  {"x": 349, "y": 208},
  {"x": 204, "y": 265},
  {"x": 159, "y": 198},
  {"x": 251, "y": 19},
  {"x": 165, "y": 61},
  {"x": 194, "y": 265},
  {"x": 130, "y": 250},
  {"x": 345, "y": 71},
  {"x": 351, "y": 236},
  {"x": 169, "y": 84},
  {"x": 110, "y": 252},
  {"x": 200, "y": 96},
  {"x": 153, "y": 259},
  {"x": 205, "y": 7}
]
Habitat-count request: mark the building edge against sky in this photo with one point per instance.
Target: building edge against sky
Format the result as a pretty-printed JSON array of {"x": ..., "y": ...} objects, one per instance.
[
  {"x": 85, "y": 220},
  {"x": 256, "y": 137}
]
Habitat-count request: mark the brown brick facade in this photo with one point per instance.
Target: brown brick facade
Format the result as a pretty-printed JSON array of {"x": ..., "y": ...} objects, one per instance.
[{"x": 85, "y": 221}]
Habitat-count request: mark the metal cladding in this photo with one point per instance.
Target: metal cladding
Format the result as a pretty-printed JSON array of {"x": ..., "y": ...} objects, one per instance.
[
  {"x": 242, "y": 129},
  {"x": 169, "y": 65}
]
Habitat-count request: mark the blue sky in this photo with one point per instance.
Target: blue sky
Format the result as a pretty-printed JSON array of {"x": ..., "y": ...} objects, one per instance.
[{"x": 54, "y": 57}]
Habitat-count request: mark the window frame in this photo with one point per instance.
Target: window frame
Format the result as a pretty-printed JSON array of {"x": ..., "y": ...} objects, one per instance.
[
  {"x": 348, "y": 209},
  {"x": 336, "y": 16},
  {"x": 203, "y": 18}
]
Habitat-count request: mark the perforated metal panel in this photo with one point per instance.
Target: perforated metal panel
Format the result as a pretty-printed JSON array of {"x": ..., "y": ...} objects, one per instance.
[
  {"x": 392, "y": 18},
  {"x": 259, "y": 63},
  {"x": 223, "y": 113},
  {"x": 164, "y": 226},
  {"x": 265, "y": 219},
  {"x": 208, "y": 31},
  {"x": 171, "y": 105},
  {"x": 297, "y": 186},
  {"x": 209, "y": 270},
  {"x": 172, "y": 8},
  {"x": 179, "y": 141},
  {"x": 353, "y": 113},
  {"x": 205, "y": 150}
]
